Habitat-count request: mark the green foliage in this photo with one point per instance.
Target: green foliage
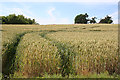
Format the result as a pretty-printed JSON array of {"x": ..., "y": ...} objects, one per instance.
[
  {"x": 93, "y": 20},
  {"x": 20, "y": 19},
  {"x": 0, "y": 19},
  {"x": 66, "y": 59},
  {"x": 81, "y": 18},
  {"x": 107, "y": 20}
]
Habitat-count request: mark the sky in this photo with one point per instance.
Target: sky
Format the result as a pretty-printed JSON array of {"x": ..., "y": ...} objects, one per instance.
[{"x": 60, "y": 12}]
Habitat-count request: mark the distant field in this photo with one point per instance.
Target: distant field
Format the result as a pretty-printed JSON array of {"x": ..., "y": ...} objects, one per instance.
[{"x": 75, "y": 51}]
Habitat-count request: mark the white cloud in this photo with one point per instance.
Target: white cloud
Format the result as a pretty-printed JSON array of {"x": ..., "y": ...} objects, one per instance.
[
  {"x": 51, "y": 15},
  {"x": 53, "y": 18},
  {"x": 16, "y": 11},
  {"x": 50, "y": 12}
]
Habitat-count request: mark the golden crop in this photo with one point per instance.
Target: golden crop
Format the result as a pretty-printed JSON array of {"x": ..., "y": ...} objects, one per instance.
[{"x": 86, "y": 49}]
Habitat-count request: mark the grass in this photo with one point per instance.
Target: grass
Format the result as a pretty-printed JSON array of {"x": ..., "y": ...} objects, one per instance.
[{"x": 57, "y": 51}]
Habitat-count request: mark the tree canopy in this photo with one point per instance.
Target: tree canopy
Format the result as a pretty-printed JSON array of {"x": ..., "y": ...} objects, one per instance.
[
  {"x": 107, "y": 20},
  {"x": 19, "y": 19},
  {"x": 83, "y": 19},
  {"x": 93, "y": 20}
]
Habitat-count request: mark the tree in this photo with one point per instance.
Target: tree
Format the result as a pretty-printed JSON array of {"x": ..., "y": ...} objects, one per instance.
[
  {"x": 20, "y": 19},
  {"x": 107, "y": 20},
  {"x": 81, "y": 18},
  {"x": 93, "y": 20},
  {"x": 33, "y": 21},
  {"x": 4, "y": 20},
  {"x": 12, "y": 18},
  {"x": 0, "y": 19}
]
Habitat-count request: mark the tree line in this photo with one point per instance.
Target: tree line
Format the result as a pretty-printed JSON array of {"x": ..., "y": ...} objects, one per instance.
[
  {"x": 83, "y": 19},
  {"x": 17, "y": 19},
  {"x": 79, "y": 19}
]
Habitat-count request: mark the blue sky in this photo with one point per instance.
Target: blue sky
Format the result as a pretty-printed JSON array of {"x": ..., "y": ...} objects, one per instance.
[{"x": 60, "y": 12}]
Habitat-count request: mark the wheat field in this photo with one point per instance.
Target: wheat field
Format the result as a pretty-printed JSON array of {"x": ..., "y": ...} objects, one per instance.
[{"x": 76, "y": 50}]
